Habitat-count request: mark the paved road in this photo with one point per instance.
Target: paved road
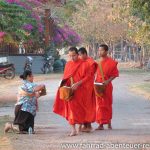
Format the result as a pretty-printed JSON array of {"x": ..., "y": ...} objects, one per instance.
[{"x": 131, "y": 122}]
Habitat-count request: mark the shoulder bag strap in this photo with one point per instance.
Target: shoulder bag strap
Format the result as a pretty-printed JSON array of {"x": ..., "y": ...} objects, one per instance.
[
  {"x": 71, "y": 80},
  {"x": 101, "y": 70}
]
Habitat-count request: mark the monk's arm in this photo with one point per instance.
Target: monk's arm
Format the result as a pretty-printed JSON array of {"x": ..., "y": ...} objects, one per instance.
[
  {"x": 109, "y": 80},
  {"x": 86, "y": 78},
  {"x": 89, "y": 74},
  {"x": 75, "y": 85},
  {"x": 114, "y": 74}
]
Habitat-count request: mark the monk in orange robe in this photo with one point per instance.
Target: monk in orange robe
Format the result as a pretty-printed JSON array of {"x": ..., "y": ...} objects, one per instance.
[
  {"x": 90, "y": 100},
  {"x": 104, "y": 103},
  {"x": 73, "y": 110}
]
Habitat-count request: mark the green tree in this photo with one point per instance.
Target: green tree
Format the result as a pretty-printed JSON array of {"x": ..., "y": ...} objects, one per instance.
[
  {"x": 141, "y": 28},
  {"x": 140, "y": 8},
  {"x": 17, "y": 23}
]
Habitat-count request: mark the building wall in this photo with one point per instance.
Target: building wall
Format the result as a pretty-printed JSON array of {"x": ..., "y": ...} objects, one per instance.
[
  {"x": 19, "y": 62},
  {"x": 3, "y": 59}
]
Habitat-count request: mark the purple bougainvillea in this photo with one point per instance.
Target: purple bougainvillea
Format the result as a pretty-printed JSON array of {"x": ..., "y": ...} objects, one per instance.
[
  {"x": 28, "y": 27},
  {"x": 62, "y": 35},
  {"x": 28, "y": 5},
  {"x": 2, "y": 34},
  {"x": 65, "y": 36}
]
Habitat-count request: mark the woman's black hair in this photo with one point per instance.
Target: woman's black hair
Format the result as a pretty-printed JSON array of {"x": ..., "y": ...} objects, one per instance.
[
  {"x": 82, "y": 50},
  {"x": 71, "y": 49},
  {"x": 26, "y": 74}
]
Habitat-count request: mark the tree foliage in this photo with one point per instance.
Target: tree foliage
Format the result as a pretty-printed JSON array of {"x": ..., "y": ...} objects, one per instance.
[
  {"x": 140, "y": 8},
  {"x": 141, "y": 27},
  {"x": 18, "y": 22}
]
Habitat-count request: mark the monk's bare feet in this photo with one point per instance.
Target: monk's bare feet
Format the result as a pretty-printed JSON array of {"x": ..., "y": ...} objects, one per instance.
[
  {"x": 87, "y": 130},
  {"x": 83, "y": 128},
  {"x": 73, "y": 133},
  {"x": 109, "y": 126},
  {"x": 80, "y": 128},
  {"x": 100, "y": 127},
  {"x": 73, "y": 130},
  {"x": 89, "y": 126}
]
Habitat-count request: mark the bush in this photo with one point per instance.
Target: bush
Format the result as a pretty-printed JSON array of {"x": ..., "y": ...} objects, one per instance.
[
  {"x": 64, "y": 62},
  {"x": 58, "y": 66}
]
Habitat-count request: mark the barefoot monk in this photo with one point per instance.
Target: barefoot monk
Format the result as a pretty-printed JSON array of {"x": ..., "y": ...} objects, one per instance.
[
  {"x": 75, "y": 77},
  {"x": 90, "y": 102},
  {"x": 106, "y": 72}
]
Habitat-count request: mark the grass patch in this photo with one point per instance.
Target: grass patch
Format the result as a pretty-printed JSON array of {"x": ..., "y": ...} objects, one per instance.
[
  {"x": 133, "y": 71},
  {"x": 142, "y": 89},
  {"x": 144, "y": 86}
]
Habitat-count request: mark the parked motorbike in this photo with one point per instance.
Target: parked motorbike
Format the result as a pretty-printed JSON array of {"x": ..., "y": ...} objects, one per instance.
[
  {"x": 7, "y": 71},
  {"x": 48, "y": 65},
  {"x": 28, "y": 63}
]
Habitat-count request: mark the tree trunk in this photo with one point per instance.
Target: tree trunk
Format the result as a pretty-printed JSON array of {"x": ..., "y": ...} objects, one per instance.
[
  {"x": 47, "y": 28},
  {"x": 143, "y": 58},
  {"x": 113, "y": 50}
]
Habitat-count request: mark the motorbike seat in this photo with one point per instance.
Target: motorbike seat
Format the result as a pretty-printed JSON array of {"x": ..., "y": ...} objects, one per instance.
[{"x": 5, "y": 65}]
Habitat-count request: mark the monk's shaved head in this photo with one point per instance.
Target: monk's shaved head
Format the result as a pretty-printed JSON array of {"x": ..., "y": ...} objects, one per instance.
[
  {"x": 73, "y": 53},
  {"x": 103, "y": 50},
  {"x": 71, "y": 49},
  {"x": 104, "y": 46},
  {"x": 82, "y": 53},
  {"x": 82, "y": 50}
]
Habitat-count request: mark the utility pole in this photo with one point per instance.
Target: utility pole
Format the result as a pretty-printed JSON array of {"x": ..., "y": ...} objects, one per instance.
[
  {"x": 49, "y": 22},
  {"x": 47, "y": 27}
]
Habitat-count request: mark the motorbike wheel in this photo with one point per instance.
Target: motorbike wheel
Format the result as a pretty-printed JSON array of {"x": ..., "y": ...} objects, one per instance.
[
  {"x": 27, "y": 68},
  {"x": 9, "y": 74},
  {"x": 43, "y": 71}
]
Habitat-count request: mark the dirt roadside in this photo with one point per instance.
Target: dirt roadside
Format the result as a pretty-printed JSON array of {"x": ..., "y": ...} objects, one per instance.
[{"x": 8, "y": 88}]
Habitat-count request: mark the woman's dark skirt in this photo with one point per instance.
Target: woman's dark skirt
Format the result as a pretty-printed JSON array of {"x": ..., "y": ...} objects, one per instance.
[{"x": 23, "y": 119}]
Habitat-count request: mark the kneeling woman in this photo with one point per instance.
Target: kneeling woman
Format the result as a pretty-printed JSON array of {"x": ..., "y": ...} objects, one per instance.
[{"x": 26, "y": 106}]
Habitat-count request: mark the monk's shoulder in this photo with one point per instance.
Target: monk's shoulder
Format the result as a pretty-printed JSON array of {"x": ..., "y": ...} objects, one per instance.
[
  {"x": 112, "y": 61},
  {"x": 84, "y": 64},
  {"x": 68, "y": 63},
  {"x": 91, "y": 61},
  {"x": 71, "y": 63}
]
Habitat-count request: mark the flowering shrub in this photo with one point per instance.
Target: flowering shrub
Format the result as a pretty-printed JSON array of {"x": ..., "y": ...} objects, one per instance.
[
  {"x": 26, "y": 23},
  {"x": 64, "y": 36},
  {"x": 2, "y": 34},
  {"x": 29, "y": 5}
]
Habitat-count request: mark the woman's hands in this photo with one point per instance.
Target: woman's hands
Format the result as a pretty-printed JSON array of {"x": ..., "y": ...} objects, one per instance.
[
  {"x": 39, "y": 87},
  {"x": 24, "y": 93},
  {"x": 36, "y": 93}
]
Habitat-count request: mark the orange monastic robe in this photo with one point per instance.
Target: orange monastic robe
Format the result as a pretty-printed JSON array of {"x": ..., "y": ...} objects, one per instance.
[
  {"x": 104, "y": 104},
  {"x": 90, "y": 100},
  {"x": 74, "y": 110}
]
